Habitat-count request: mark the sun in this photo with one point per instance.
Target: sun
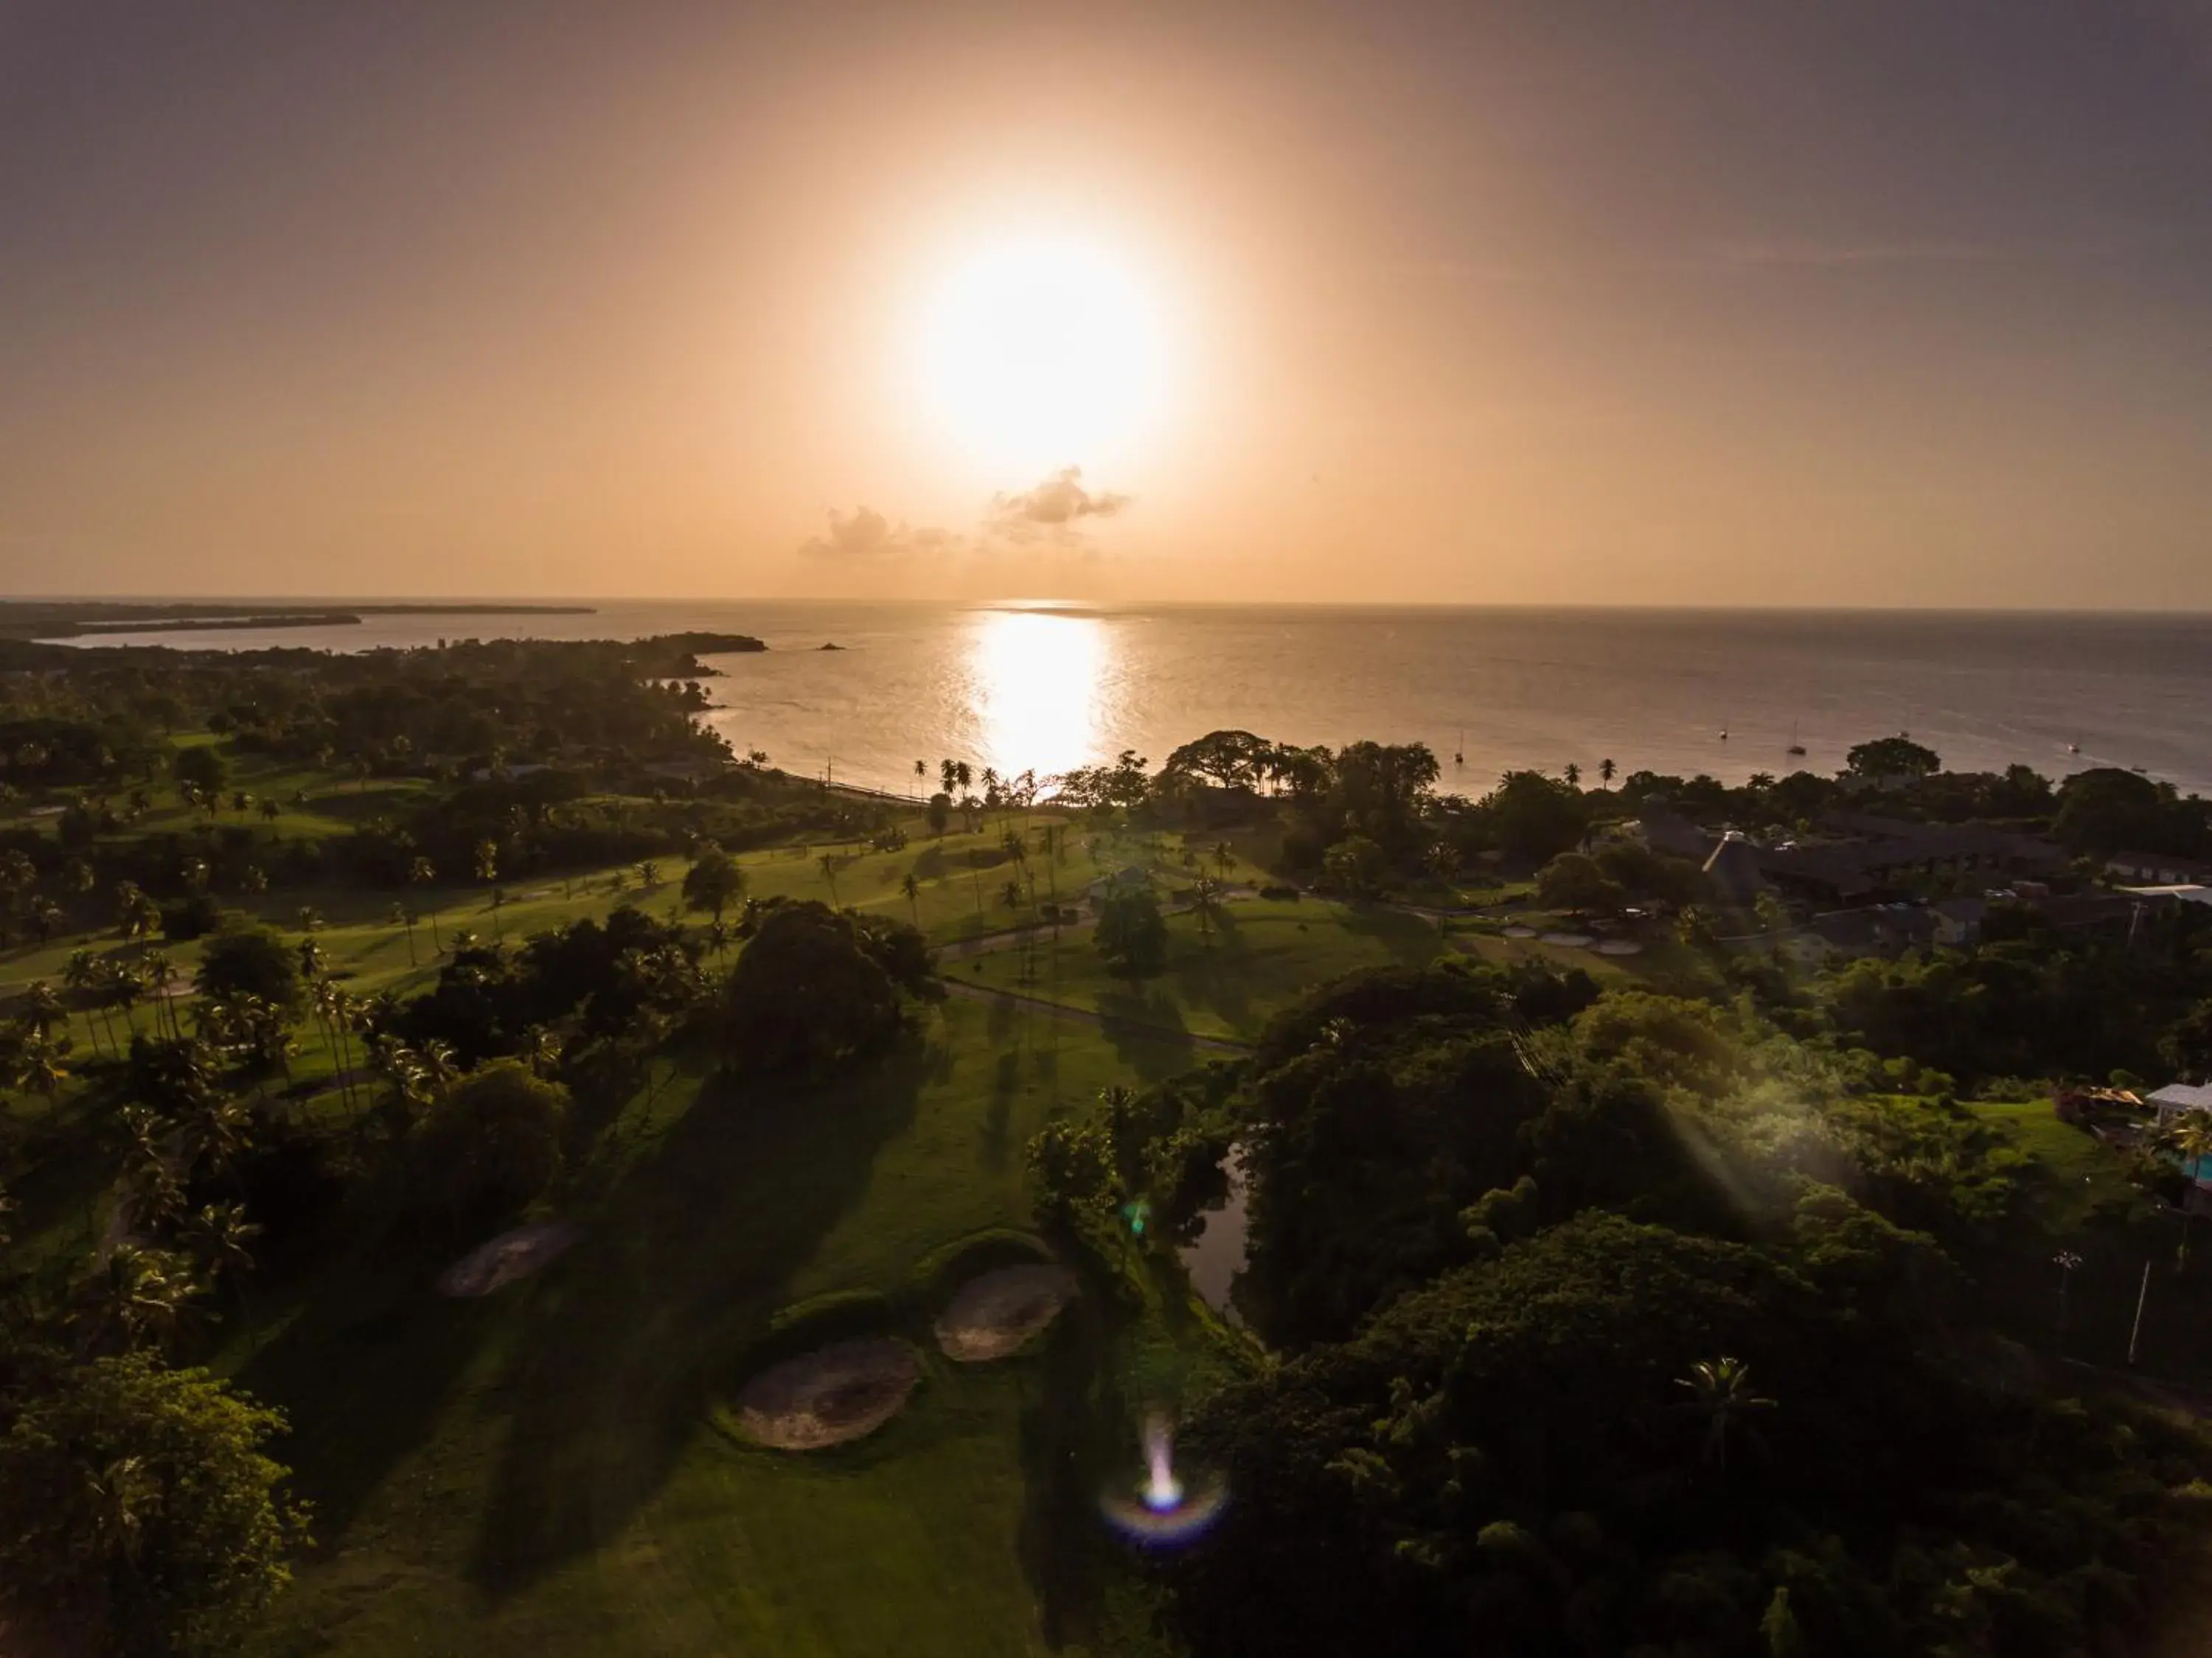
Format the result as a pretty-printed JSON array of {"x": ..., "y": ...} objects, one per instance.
[{"x": 1038, "y": 351}]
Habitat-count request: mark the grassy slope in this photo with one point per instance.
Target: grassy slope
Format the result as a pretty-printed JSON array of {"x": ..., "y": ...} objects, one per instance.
[
  {"x": 1262, "y": 956},
  {"x": 531, "y": 1474}
]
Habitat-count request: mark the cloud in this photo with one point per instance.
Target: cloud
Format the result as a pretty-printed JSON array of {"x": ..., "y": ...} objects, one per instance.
[
  {"x": 1051, "y": 508},
  {"x": 864, "y": 532}
]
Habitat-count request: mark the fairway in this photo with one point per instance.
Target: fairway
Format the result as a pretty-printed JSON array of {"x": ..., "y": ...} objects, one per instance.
[
  {"x": 535, "y": 1473},
  {"x": 1228, "y": 980}
]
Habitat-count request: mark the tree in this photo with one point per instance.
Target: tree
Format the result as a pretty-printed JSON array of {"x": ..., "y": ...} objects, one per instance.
[
  {"x": 2187, "y": 1044},
  {"x": 1575, "y": 880},
  {"x": 1355, "y": 866},
  {"x": 714, "y": 881},
  {"x": 1771, "y": 914},
  {"x": 912, "y": 889},
  {"x": 1722, "y": 1396},
  {"x": 1225, "y": 760},
  {"x": 939, "y": 812},
  {"x": 2105, "y": 810},
  {"x": 813, "y": 989},
  {"x": 1605, "y": 772},
  {"x": 1536, "y": 818},
  {"x": 1132, "y": 933},
  {"x": 1892, "y": 757},
  {"x": 139, "y": 1514},
  {"x": 243, "y": 961},
  {"x": 420, "y": 872},
  {"x": 401, "y": 916},
  {"x": 491, "y": 1140},
  {"x": 2190, "y": 1138},
  {"x": 828, "y": 864},
  {"x": 201, "y": 768}
]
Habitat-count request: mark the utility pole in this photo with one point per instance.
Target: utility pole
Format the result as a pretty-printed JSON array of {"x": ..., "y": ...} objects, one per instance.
[{"x": 2134, "y": 1336}]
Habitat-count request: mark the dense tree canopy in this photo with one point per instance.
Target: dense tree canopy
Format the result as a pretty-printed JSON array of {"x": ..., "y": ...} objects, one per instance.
[
  {"x": 138, "y": 1513},
  {"x": 815, "y": 986}
]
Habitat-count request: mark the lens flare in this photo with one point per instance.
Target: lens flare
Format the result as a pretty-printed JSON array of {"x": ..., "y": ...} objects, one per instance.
[{"x": 1158, "y": 1509}]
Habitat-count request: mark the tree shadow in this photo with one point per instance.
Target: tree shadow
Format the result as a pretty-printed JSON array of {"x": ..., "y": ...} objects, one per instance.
[
  {"x": 1145, "y": 1025},
  {"x": 1411, "y": 939},
  {"x": 364, "y": 1368},
  {"x": 625, "y": 1339}
]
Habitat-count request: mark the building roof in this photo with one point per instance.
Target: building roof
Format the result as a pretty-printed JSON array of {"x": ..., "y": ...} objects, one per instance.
[
  {"x": 2184, "y": 893},
  {"x": 2160, "y": 866},
  {"x": 2181, "y": 1096},
  {"x": 1734, "y": 870}
]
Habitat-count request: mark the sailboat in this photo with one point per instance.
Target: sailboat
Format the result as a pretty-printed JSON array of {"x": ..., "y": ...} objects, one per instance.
[
  {"x": 1795, "y": 747},
  {"x": 1459, "y": 754}
]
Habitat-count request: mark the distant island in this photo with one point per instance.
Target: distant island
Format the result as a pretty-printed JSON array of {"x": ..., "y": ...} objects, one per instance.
[{"x": 70, "y": 619}]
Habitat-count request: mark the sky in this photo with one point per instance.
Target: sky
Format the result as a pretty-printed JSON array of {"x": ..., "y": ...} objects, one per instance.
[{"x": 1700, "y": 303}]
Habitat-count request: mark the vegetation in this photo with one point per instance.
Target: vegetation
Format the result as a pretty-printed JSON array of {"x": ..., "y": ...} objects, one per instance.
[{"x": 1661, "y": 1303}]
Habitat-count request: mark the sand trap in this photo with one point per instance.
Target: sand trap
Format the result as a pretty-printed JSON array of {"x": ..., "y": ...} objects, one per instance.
[
  {"x": 1517, "y": 932},
  {"x": 1566, "y": 941},
  {"x": 1621, "y": 947},
  {"x": 510, "y": 1256},
  {"x": 838, "y": 1393},
  {"x": 997, "y": 1314}
]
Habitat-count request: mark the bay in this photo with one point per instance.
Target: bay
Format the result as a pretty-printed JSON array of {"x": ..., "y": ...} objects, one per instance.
[{"x": 1019, "y": 687}]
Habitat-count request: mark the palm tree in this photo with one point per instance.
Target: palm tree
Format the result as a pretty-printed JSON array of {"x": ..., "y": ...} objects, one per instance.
[
  {"x": 912, "y": 888},
  {"x": 828, "y": 864},
  {"x": 1606, "y": 769},
  {"x": 1574, "y": 775},
  {"x": 42, "y": 1009},
  {"x": 921, "y": 771},
  {"x": 498, "y": 902},
  {"x": 2190, "y": 1138},
  {"x": 39, "y": 1069},
  {"x": 215, "y": 1133},
  {"x": 310, "y": 919},
  {"x": 311, "y": 960},
  {"x": 1721, "y": 1394},
  {"x": 420, "y": 873},
  {"x": 648, "y": 874},
  {"x": 398, "y": 915},
  {"x": 160, "y": 971},
  {"x": 80, "y": 974},
  {"x": 1206, "y": 901},
  {"x": 948, "y": 773}
]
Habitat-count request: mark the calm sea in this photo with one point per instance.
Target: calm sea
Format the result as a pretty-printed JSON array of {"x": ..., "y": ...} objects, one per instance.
[{"x": 1019, "y": 687}]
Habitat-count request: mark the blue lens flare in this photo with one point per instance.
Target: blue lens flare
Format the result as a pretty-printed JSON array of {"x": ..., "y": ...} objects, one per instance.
[{"x": 1158, "y": 1509}]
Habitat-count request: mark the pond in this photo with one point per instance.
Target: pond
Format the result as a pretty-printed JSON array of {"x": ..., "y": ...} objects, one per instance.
[{"x": 1215, "y": 1258}]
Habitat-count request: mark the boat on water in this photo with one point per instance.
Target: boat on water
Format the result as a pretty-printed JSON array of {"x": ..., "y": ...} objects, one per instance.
[
  {"x": 1795, "y": 747},
  {"x": 1459, "y": 754}
]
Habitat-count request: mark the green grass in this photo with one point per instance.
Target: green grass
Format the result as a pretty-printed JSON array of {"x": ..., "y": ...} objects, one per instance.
[
  {"x": 1262, "y": 956},
  {"x": 536, "y": 1473}
]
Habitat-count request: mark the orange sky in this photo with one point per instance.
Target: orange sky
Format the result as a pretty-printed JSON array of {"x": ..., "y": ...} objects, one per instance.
[{"x": 1762, "y": 304}]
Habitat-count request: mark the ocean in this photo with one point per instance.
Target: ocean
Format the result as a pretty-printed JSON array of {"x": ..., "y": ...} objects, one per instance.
[{"x": 1045, "y": 687}]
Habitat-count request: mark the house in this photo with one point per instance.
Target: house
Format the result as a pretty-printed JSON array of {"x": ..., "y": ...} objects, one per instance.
[
  {"x": 2176, "y": 1098},
  {"x": 1886, "y": 856},
  {"x": 1672, "y": 835},
  {"x": 1959, "y": 920},
  {"x": 2159, "y": 870}
]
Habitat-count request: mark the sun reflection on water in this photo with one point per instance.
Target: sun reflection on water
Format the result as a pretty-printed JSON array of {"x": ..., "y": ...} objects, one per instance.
[{"x": 1040, "y": 689}]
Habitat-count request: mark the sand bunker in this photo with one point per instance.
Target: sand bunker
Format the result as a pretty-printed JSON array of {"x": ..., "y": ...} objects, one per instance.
[
  {"x": 1621, "y": 947},
  {"x": 1566, "y": 941},
  {"x": 997, "y": 1314},
  {"x": 827, "y": 1397},
  {"x": 510, "y": 1256},
  {"x": 1517, "y": 932}
]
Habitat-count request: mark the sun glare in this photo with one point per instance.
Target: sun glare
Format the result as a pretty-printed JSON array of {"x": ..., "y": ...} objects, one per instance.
[
  {"x": 1040, "y": 689},
  {"x": 1042, "y": 352}
]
